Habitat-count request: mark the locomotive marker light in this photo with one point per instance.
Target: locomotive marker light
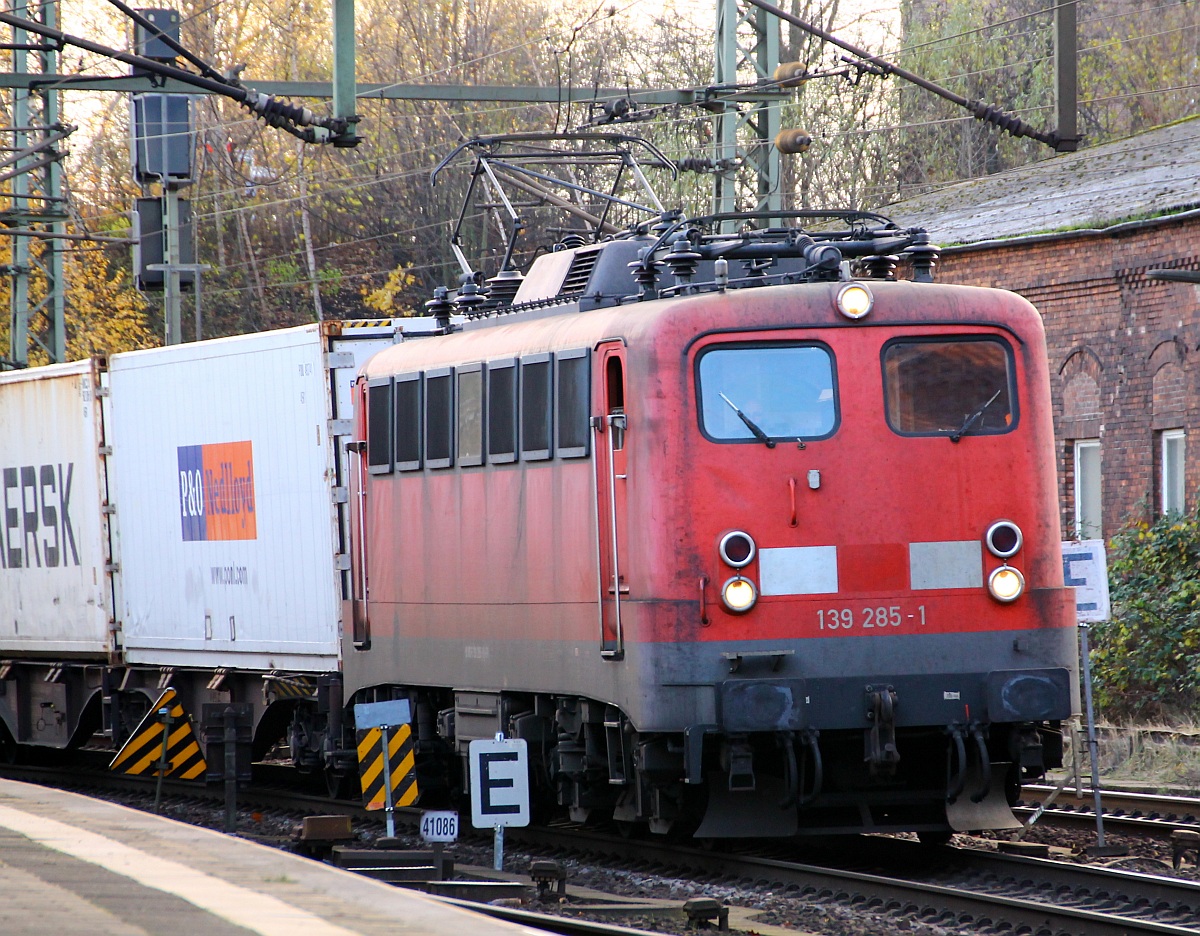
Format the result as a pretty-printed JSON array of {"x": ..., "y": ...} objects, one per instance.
[
  {"x": 737, "y": 549},
  {"x": 854, "y": 300},
  {"x": 739, "y": 594},
  {"x": 1004, "y": 539}
]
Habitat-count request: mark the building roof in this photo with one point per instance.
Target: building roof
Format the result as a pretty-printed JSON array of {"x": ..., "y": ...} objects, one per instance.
[{"x": 1146, "y": 175}]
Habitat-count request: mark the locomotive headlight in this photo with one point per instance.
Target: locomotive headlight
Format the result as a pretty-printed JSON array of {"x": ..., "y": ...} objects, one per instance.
[
  {"x": 739, "y": 594},
  {"x": 854, "y": 301},
  {"x": 737, "y": 549},
  {"x": 1006, "y": 584}
]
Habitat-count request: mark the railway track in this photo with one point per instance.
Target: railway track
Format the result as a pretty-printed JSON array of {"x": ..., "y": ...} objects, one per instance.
[
  {"x": 971, "y": 889},
  {"x": 1147, "y": 814}
]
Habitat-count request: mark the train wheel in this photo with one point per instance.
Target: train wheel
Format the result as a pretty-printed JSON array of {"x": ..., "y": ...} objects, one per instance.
[
  {"x": 935, "y": 839},
  {"x": 1012, "y": 785},
  {"x": 341, "y": 785},
  {"x": 8, "y": 748}
]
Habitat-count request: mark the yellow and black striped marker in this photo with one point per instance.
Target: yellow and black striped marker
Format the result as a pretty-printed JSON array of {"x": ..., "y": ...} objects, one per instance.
[
  {"x": 291, "y": 687},
  {"x": 143, "y": 751},
  {"x": 401, "y": 762}
]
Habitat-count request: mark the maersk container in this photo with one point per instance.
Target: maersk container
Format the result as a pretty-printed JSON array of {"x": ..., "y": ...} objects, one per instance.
[
  {"x": 228, "y": 467},
  {"x": 56, "y": 599}
]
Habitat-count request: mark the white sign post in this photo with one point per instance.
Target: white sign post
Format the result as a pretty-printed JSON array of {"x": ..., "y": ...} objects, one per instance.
[
  {"x": 437, "y": 828},
  {"x": 1085, "y": 568},
  {"x": 499, "y": 787}
]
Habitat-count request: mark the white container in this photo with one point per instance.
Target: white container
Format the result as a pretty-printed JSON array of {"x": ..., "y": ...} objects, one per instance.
[
  {"x": 228, "y": 478},
  {"x": 55, "y": 570}
]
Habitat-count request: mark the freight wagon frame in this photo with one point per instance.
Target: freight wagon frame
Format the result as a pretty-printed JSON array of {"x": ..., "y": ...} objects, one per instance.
[{"x": 177, "y": 517}]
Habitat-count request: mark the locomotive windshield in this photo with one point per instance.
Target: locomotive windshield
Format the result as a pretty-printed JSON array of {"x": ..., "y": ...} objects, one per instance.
[
  {"x": 766, "y": 392},
  {"x": 949, "y": 387}
]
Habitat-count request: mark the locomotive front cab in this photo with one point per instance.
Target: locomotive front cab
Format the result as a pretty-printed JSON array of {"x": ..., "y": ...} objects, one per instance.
[
  {"x": 884, "y": 621},
  {"x": 747, "y": 591}
]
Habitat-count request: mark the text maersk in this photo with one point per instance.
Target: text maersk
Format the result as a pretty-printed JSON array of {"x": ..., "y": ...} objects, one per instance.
[{"x": 35, "y": 517}]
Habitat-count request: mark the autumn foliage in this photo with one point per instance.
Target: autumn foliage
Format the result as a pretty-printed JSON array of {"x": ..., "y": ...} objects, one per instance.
[{"x": 293, "y": 233}]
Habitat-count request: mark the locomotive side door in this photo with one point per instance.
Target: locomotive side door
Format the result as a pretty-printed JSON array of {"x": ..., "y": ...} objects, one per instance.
[
  {"x": 357, "y": 616},
  {"x": 610, "y": 426}
]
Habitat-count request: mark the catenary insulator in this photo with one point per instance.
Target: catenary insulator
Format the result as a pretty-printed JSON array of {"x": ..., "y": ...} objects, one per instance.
[
  {"x": 440, "y": 307},
  {"x": 793, "y": 141},
  {"x": 791, "y": 74},
  {"x": 682, "y": 260},
  {"x": 881, "y": 266},
  {"x": 924, "y": 256}
]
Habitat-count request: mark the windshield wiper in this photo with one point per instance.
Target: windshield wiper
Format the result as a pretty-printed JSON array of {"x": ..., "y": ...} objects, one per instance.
[
  {"x": 970, "y": 420},
  {"x": 750, "y": 423}
]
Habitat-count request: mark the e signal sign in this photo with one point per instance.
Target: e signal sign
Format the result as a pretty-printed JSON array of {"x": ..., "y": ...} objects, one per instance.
[
  {"x": 400, "y": 769},
  {"x": 499, "y": 782},
  {"x": 144, "y": 752}
]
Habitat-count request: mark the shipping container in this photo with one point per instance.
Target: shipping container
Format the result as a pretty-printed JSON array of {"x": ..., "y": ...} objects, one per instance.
[
  {"x": 56, "y": 597},
  {"x": 228, "y": 468}
]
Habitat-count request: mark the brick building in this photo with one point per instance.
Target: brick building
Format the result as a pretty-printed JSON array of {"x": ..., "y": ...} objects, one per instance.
[{"x": 1075, "y": 234}]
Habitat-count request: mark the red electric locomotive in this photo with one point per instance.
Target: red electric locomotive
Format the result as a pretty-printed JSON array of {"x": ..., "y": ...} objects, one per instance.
[{"x": 741, "y": 534}]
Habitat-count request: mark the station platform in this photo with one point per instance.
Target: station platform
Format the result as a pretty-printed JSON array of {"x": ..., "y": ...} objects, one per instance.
[{"x": 71, "y": 864}]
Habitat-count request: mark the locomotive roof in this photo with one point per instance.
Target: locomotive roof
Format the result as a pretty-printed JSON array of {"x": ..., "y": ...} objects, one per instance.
[
  {"x": 663, "y": 271},
  {"x": 675, "y": 321},
  {"x": 579, "y": 209}
]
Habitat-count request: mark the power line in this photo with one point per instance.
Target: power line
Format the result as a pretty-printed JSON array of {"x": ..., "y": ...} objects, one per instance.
[{"x": 356, "y": 183}]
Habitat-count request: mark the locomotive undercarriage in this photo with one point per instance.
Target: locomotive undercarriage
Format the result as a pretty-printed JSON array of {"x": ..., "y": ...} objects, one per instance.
[{"x": 588, "y": 759}]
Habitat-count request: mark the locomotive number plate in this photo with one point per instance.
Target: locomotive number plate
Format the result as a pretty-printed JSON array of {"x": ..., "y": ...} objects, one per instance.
[{"x": 870, "y": 618}]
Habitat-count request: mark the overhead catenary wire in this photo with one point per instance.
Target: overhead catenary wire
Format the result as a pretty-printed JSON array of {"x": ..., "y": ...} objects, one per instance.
[
  {"x": 396, "y": 176},
  {"x": 827, "y": 134},
  {"x": 412, "y": 231},
  {"x": 400, "y": 175},
  {"x": 985, "y": 112},
  {"x": 298, "y": 121}
]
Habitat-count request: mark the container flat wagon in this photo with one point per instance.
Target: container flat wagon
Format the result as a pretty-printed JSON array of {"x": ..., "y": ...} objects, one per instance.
[{"x": 177, "y": 517}]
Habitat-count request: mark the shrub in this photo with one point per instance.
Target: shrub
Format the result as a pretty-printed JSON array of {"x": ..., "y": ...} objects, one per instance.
[{"x": 1145, "y": 659}]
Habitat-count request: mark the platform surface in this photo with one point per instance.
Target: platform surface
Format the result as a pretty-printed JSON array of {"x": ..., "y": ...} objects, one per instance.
[{"x": 71, "y": 864}]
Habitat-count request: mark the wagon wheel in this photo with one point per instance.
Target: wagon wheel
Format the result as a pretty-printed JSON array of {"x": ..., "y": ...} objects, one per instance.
[
  {"x": 342, "y": 784},
  {"x": 8, "y": 748}
]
